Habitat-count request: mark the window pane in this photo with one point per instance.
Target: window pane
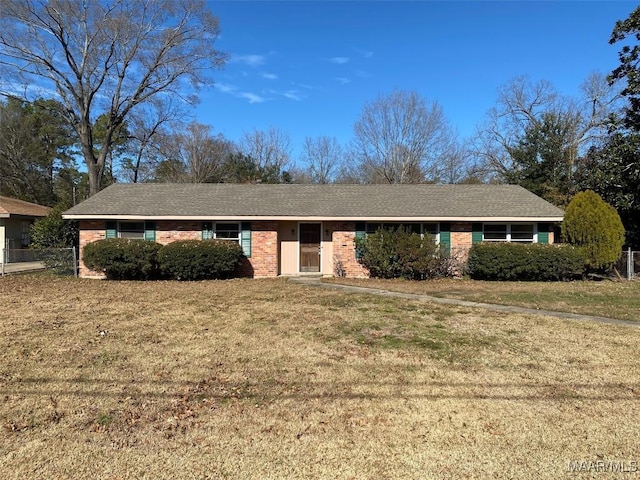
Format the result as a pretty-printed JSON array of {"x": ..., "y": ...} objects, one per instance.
[
  {"x": 373, "y": 227},
  {"x": 520, "y": 233},
  {"x": 431, "y": 228},
  {"x": 207, "y": 231},
  {"x": 495, "y": 232},
  {"x": 412, "y": 228},
  {"x": 132, "y": 230},
  {"x": 228, "y": 230}
]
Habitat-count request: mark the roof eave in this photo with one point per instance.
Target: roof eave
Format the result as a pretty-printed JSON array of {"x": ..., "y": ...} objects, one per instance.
[{"x": 315, "y": 218}]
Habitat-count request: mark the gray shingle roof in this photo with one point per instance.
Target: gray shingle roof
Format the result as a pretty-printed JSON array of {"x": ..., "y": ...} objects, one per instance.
[{"x": 315, "y": 201}]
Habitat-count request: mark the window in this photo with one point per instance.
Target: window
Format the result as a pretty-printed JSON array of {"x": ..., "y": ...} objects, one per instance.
[
  {"x": 227, "y": 231},
  {"x": 131, "y": 230},
  {"x": 431, "y": 228},
  {"x": 522, "y": 233},
  {"x": 25, "y": 238},
  {"x": 222, "y": 231},
  {"x": 495, "y": 233},
  {"x": 507, "y": 232}
]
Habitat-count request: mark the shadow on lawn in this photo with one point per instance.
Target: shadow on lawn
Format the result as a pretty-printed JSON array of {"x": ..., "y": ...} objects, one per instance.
[{"x": 215, "y": 388}]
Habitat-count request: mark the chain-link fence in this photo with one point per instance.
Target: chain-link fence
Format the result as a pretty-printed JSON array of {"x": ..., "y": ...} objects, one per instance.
[
  {"x": 629, "y": 264},
  {"x": 62, "y": 261}
]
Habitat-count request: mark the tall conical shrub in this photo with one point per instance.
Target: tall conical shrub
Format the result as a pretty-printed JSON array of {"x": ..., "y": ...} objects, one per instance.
[{"x": 595, "y": 226}]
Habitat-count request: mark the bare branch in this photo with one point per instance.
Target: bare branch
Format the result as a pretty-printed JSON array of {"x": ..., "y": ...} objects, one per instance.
[{"x": 107, "y": 56}]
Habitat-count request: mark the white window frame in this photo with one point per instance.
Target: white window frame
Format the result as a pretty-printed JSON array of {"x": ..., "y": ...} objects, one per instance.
[
  {"x": 215, "y": 234},
  {"x": 120, "y": 230},
  {"x": 508, "y": 237},
  {"x": 215, "y": 231}
]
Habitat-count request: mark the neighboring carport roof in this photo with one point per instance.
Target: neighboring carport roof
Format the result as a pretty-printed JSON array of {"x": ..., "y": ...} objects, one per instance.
[
  {"x": 13, "y": 207},
  {"x": 321, "y": 202}
]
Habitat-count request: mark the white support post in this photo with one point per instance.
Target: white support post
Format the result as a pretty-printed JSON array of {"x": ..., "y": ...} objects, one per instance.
[{"x": 629, "y": 264}]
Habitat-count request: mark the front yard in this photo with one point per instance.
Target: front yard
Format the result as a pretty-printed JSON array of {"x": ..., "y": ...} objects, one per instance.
[
  {"x": 270, "y": 379},
  {"x": 612, "y": 299}
]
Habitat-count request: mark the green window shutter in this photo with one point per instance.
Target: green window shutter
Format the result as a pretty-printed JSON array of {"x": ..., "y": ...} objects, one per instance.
[
  {"x": 361, "y": 232},
  {"x": 476, "y": 235},
  {"x": 543, "y": 233},
  {"x": 207, "y": 230},
  {"x": 445, "y": 236},
  {"x": 150, "y": 231},
  {"x": 111, "y": 230},
  {"x": 245, "y": 238}
]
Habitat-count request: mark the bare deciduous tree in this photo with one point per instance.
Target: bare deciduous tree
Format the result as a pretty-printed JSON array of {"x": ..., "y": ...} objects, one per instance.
[
  {"x": 146, "y": 126},
  {"x": 193, "y": 156},
  {"x": 106, "y": 57},
  {"x": 269, "y": 149},
  {"x": 401, "y": 138},
  {"x": 523, "y": 105},
  {"x": 322, "y": 155}
]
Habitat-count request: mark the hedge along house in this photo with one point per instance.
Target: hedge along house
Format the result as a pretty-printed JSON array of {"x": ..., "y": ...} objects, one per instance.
[{"x": 310, "y": 229}]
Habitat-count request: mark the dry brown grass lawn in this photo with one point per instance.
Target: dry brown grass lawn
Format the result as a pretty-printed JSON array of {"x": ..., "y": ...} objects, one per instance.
[
  {"x": 612, "y": 299},
  {"x": 269, "y": 379}
]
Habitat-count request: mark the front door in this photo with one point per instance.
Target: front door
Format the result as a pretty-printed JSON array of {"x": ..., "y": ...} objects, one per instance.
[{"x": 310, "y": 247}]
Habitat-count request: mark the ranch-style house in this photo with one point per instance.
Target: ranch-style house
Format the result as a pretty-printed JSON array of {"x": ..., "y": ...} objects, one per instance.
[{"x": 297, "y": 229}]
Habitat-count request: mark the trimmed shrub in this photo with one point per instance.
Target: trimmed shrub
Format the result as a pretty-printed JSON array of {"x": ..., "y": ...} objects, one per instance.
[
  {"x": 400, "y": 254},
  {"x": 525, "y": 262},
  {"x": 200, "y": 259},
  {"x": 595, "y": 226},
  {"x": 123, "y": 259}
]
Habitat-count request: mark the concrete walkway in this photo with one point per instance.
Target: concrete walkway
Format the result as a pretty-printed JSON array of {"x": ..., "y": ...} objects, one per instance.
[{"x": 316, "y": 282}]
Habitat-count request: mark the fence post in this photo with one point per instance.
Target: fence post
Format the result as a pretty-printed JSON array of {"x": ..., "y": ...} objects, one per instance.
[
  {"x": 629, "y": 264},
  {"x": 75, "y": 263}
]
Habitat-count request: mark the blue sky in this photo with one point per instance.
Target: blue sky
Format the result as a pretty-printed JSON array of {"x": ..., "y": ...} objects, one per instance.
[{"x": 307, "y": 68}]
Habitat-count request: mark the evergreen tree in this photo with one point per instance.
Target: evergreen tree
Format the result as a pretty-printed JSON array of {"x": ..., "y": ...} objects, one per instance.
[{"x": 595, "y": 226}]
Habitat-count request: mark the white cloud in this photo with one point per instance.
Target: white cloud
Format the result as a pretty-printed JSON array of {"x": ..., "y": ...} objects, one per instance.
[
  {"x": 343, "y": 80},
  {"x": 252, "y": 60},
  {"x": 339, "y": 60},
  {"x": 234, "y": 91},
  {"x": 270, "y": 76},
  {"x": 252, "y": 97},
  {"x": 292, "y": 95},
  {"x": 225, "y": 87}
]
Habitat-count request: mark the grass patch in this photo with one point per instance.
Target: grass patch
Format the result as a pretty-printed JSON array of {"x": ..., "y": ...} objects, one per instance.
[
  {"x": 406, "y": 326},
  {"x": 270, "y": 379},
  {"x": 610, "y": 299}
]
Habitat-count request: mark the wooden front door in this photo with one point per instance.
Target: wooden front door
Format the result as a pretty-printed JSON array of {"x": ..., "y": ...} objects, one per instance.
[{"x": 310, "y": 247}]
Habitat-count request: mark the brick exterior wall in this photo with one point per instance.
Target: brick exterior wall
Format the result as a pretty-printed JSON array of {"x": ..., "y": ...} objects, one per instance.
[
  {"x": 90, "y": 231},
  {"x": 461, "y": 240},
  {"x": 264, "y": 243},
  {"x": 264, "y": 250},
  {"x": 343, "y": 235},
  {"x": 264, "y": 260},
  {"x": 170, "y": 231}
]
